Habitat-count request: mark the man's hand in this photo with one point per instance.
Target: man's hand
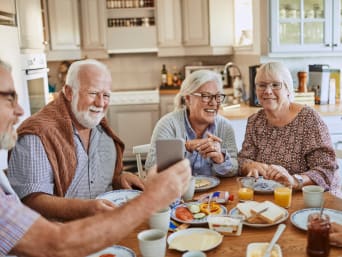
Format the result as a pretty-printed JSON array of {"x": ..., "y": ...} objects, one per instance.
[
  {"x": 127, "y": 180},
  {"x": 336, "y": 233},
  {"x": 93, "y": 207}
]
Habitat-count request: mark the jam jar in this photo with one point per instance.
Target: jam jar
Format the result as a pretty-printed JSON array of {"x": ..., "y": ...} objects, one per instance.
[{"x": 318, "y": 244}]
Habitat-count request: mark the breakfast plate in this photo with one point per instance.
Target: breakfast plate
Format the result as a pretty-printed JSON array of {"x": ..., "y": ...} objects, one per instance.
[
  {"x": 194, "y": 239},
  {"x": 203, "y": 183},
  {"x": 115, "y": 250},
  {"x": 235, "y": 211},
  {"x": 201, "y": 221},
  {"x": 260, "y": 185},
  {"x": 119, "y": 197}
]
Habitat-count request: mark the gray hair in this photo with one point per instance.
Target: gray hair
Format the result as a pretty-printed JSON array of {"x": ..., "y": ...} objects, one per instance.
[
  {"x": 72, "y": 78},
  {"x": 278, "y": 72},
  {"x": 5, "y": 65},
  {"x": 193, "y": 82}
]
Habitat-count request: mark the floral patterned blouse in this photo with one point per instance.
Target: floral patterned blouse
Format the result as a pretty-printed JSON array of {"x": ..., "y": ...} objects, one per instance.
[{"x": 303, "y": 146}]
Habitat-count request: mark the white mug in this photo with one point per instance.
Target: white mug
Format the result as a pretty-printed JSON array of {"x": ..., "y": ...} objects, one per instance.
[
  {"x": 161, "y": 219},
  {"x": 313, "y": 196},
  {"x": 189, "y": 193},
  {"x": 152, "y": 243}
]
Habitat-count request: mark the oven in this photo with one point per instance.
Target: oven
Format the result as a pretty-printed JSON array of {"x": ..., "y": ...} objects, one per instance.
[{"x": 35, "y": 80}]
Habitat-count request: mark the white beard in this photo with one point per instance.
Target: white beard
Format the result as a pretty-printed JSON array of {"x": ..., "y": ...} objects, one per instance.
[
  {"x": 85, "y": 117},
  {"x": 8, "y": 139}
]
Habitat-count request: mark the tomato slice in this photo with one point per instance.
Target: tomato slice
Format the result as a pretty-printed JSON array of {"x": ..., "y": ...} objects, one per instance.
[{"x": 183, "y": 213}]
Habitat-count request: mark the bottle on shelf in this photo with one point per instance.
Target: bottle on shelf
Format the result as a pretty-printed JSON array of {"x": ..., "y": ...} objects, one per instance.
[{"x": 164, "y": 76}]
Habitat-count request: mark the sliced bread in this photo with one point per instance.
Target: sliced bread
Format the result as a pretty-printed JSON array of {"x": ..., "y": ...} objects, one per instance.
[
  {"x": 245, "y": 208},
  {"x": 271, "y": 215}
]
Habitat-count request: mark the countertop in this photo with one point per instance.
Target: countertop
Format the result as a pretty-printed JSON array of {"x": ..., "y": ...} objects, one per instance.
[{"x": 243, "y": 111}]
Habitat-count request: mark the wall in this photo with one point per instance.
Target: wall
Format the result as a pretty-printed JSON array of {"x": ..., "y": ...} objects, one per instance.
[{"x": 141, "y": 71}]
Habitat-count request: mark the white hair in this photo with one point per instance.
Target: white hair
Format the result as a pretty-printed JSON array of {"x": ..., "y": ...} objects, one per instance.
[
  {"x": 277, "y": 71},
  {"x": 193, "y": 82}
]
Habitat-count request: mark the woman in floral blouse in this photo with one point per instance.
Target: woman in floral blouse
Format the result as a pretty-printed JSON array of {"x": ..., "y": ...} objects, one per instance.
[{"x": 285, "y": 141}]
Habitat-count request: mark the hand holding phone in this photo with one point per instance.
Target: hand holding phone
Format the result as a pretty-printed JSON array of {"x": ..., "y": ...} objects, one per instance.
[{"x": 169, "y": 151}]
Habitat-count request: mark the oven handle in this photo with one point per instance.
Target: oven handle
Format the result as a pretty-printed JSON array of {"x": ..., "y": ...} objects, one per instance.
[{"x": 36, "y": 71}]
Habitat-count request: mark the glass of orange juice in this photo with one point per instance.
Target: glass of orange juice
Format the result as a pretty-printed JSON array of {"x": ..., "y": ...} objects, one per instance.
[
  {"x": 246, "y": 191},
  {"x": 283, "y": 196}
]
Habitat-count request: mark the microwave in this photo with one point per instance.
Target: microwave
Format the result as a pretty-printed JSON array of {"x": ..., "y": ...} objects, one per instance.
[{"x": 216, "y": 68}]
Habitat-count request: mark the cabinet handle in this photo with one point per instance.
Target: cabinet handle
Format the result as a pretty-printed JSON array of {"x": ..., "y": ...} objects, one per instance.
[
  {"x": 45, "y": 43},
  {"x": 335, "y": 45},
  {"x": 327, "y": 45}
]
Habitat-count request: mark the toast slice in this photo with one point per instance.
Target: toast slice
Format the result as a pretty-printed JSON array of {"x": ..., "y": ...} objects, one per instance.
[
  {"x": 245, "y": 208},
  {"x": 271, "y": 215}
]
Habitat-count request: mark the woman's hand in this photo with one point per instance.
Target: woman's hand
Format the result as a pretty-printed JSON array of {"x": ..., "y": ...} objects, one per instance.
[
  {"x": 280, "y": 174},
  {"x": 255, "y": 169},
  {"x": 336, "y": 233}
]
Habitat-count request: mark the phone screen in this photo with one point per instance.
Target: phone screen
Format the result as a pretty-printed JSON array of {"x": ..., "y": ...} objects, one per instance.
[{"x": 169, "y": 151}]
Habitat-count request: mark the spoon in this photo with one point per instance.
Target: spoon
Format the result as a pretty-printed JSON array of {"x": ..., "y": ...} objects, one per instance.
[
  {"x": 322, "y": 208},
  {"x": 275, "y": 238}
]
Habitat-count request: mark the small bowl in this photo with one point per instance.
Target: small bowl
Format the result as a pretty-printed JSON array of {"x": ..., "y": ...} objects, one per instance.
[
  {"x": 227, "y": 225},
  {"x": 194, "y": 254},
  {"x": 258, "y": 250}
]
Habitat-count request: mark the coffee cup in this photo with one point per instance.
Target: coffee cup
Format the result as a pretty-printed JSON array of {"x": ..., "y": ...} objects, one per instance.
[
  {"x": 152, "y": 243},
  {"x": 313, "y": 196},
  {"x": 161, "y": 219},
  {"x": 189, "y": 193}
]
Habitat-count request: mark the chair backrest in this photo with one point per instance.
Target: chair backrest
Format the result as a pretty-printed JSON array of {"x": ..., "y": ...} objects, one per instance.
[{"x": 140, "y": 150}]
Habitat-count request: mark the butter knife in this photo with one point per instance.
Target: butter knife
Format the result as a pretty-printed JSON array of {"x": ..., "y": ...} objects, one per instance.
[{"x": 275, "y": 238}]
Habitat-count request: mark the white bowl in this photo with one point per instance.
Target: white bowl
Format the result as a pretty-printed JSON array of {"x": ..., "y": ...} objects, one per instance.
[{"x": 258, "y": 250}]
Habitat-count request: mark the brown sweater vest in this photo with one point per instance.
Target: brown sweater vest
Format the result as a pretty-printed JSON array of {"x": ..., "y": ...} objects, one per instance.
[{"x": 53, "y": 125}]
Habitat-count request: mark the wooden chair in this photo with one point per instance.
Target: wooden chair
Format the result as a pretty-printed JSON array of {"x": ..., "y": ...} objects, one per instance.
[{"x": 139, "y": 151}]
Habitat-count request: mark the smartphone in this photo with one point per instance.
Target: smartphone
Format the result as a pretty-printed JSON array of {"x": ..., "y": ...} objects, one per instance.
[{"x": 169, "y": 151}]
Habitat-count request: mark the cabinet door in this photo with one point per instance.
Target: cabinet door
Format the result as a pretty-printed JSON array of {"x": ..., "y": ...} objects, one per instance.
[
  {"x": 134, "y": 124},
  {"x": 64, "y": 24},
  {"x": 169, "y": 23},
  {"x": 31, "y": 25},
  {"x": 302, "y": 25},
  {"x": 93, "y": 21},
  {"x": 195, "y": 22},
  {"x": 166, "y": 104}
]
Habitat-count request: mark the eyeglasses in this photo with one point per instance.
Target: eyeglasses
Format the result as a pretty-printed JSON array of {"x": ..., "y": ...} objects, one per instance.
[
  {"x": 206, "y": 97},
  {"x": 94, "y": 94},
  {"x": 11, "y": 96},
  {"x": 273, "y": 85}
]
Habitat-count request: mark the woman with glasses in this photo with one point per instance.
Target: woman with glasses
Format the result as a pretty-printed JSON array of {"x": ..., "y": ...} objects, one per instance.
[
  {"x": 286, "y": 141},
  {"x": 209, "y": 137}
]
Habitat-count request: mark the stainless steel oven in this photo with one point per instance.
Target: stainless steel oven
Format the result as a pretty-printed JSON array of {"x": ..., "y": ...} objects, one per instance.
[{"x": 35, "y": 80}]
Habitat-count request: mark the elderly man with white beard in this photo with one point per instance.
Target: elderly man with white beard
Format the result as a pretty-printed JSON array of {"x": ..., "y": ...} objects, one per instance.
[{"x": 67, "y": 154}]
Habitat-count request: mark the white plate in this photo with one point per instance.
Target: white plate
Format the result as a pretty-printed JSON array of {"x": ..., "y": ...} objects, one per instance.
[
  {"x": 235, "y": 211},
  {"x": 118, "y": 250},
  {"x": 212, "y": 182},
  {"x": 260, "y": 186},
  {"x": 299, "y": 218},
  {"x": 188, "y": 234},
  {"x": 194, "y": 221},
  {"x": 119, "y": 197}
]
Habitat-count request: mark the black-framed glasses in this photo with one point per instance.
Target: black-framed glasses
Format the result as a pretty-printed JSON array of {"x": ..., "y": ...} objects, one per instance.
[
  {"x": 207, "y": 97},
  {"x": 94, "y": 94},
  {"x": 262, "y": 86},
  {"x": 11, "y": 96}
]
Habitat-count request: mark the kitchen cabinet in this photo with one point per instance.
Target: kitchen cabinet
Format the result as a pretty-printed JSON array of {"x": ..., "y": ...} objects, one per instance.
[
  {"x": 131, "y": 27},
  {"x": 93, "y": 26},
  {"x": 239, "y": 127},
  {"x": 134, "y": 124},
  {"x": 63, "y": 30},
  {"x": 166, "y": 104},
  {"x": 30, "y": 26},
  {"x": 194, "y": 27},
  {"x": 299, "y": 26},
  {"x": 334, "y": 124}
]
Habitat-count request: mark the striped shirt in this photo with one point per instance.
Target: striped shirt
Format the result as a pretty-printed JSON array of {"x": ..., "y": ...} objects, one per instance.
[
  {"x": 15, "y": 218},
  {"x": 29, "y": 169}
]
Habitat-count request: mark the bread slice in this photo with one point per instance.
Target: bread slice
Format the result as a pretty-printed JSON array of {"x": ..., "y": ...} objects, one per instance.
[
  {"x": 271, "y": 215},
  {"x": 245, "y": 208}
]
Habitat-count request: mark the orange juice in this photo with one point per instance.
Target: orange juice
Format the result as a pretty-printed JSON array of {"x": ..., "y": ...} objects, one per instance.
[
  {"x": 283, "y": 196},
  {"x": 245, "y": 193}
]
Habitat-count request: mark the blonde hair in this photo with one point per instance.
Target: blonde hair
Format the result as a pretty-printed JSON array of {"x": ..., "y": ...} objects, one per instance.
[
  {"x": 193, "y": 82},
  {"x": 277, "y": 71}
]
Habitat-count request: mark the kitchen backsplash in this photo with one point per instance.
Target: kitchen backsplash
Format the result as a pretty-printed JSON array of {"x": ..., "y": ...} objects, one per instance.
[{"x": 140, "y": 71}]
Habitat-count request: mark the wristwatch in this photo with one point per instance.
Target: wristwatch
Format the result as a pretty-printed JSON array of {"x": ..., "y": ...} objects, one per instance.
[{"x": 299, "y": 180}]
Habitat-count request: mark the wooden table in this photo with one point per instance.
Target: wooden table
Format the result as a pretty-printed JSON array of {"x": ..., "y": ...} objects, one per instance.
[{"x": 292, "y": 241}]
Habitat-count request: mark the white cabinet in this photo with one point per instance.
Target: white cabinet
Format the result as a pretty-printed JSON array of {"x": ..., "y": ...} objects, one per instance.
[
  {"x": 93, "y": 25},
  {"x": 64, "y": 30},
  {"x": 334, "y": 124},
  {"x": 239, "y": 127},
  {"x": 166, "y": 104},
  {"x": 30, "y": 26},
  {"x": 134, "y": 124},
  {"x": 299, "y": 26},
  {"x": 195, "y": 27}
]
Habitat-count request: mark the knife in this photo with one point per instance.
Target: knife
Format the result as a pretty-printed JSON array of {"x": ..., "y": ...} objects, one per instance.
[
  {"x": 257, "y": 213},
  {"x": 275, "y": 238}
]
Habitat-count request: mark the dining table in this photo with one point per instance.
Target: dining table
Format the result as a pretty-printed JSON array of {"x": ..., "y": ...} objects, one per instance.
[{"x": 293, "y": 241}]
